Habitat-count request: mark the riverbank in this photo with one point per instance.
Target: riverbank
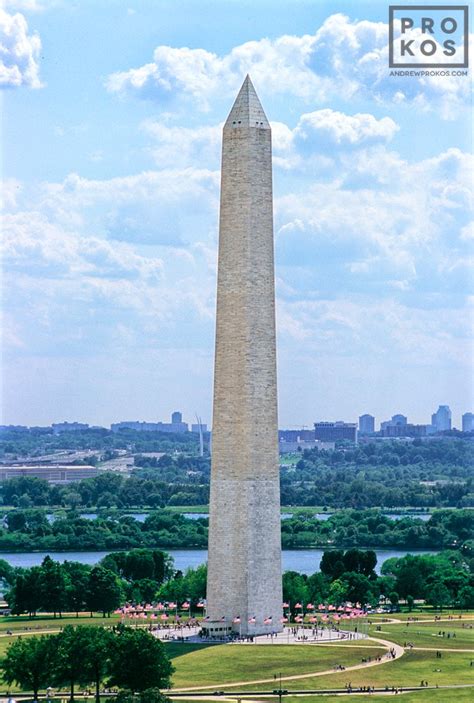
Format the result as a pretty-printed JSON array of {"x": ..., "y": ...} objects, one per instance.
[
  {"x": 35, "y": 530},
  {"x": 305, "y": 561}
]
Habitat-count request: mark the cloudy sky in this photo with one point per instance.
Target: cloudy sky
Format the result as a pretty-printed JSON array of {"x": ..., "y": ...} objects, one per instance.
[{"x": 111, "y": 144}]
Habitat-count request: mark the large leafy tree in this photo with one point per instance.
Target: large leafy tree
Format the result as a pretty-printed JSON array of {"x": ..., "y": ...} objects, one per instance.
[
  {"x": 359, "y": 589},
  {"x": 104, "y": 591},
  {"x": 77, "y": 582},
  {"x": 295, "y": 588},
  {"x": 52, "y": 586},
  {"x": 25, "y": 596},
  {"x": 97, "y": 644},
  {"x": 332, "y": 563},
  {"x": 71, "y": 663},
  {"x": 139, "y": 661},
  {"x": 29, "y": 663}
]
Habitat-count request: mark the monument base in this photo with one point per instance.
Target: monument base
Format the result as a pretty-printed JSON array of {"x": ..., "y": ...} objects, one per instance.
[{"x": 219, "y": 629}]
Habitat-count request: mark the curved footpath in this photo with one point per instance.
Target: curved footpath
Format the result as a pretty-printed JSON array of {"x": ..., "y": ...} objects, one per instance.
[{"x": 398, "y": 652}]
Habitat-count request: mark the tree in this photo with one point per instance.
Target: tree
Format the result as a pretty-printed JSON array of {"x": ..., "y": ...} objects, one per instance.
[
  {"x": 28, "y": 663},
  {"x": 143, "y": 591},
  {"x": 466, "y": 597},
  {"x": 76, "y": 590},
  {"x": 70, "y": 660},
  {"x": 104, "y": 592},
  {"x": 139, "y": 661},
  {"x": 337, "y": 592},
  {"x": 438, "y": 595},
  {"x": 16, "y": 520},
  {"x": 363, "y": 562},
  {"x": 318, "y": 588},
  {"x": 52, "y": 586},
  {"x": 25, "y": 595},
  {"x": 394, "y": 597},
  {"x": 359, "y": 589},
  {"x": 410, "y": 602},
  {"x": 96, "y": 654},
  {"x": 7, "y": 573},
  {"x": 332, "y": 563},
  {"x": 295, "y": 588}
]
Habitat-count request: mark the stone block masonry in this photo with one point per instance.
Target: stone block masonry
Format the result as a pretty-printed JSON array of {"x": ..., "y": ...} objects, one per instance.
[{"x": 244, "y": 568}]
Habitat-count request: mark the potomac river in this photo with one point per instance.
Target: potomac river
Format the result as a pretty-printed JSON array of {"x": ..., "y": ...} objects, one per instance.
[{"x": 305, "y": 561}]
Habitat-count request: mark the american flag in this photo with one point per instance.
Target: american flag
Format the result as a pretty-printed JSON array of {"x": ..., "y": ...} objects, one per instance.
[
  {"x": 236, "y": 620},
  {"x": 252, "y": 620},
  {"x": 268, "y": 621},
  {"x": 223, "y": 618}
]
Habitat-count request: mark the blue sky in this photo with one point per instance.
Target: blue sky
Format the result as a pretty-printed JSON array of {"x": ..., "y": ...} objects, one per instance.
[{"x": 111, "y": 139}]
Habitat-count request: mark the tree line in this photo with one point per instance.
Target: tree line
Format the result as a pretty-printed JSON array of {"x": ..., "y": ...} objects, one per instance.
[
  {"x": 35, "y": 441},
  {"x": 438, "y": 473},
  {"x": 372, "y": 528},
  {"x": 445, "y": 579},
  {"x": 419, "y": 474},
  {"x": 133, "y": 660},
  {"x": 144, "y": 576},
  {"x": 56, "y": 587},
  {"x": 24, "y": 530}
]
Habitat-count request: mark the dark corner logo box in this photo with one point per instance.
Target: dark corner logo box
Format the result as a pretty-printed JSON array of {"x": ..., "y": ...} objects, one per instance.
[{"x": 432, "y": 36}]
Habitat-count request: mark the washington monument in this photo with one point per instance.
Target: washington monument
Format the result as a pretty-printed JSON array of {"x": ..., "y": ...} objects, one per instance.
[{"x": 244, "y": 590}]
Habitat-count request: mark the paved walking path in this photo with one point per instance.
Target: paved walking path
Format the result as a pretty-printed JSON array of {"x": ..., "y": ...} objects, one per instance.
[
  {"x": 396, "y": 648},
  {"x": 229, "y": 699}
]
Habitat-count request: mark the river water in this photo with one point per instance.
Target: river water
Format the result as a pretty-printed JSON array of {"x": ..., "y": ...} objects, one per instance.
[{"x": 305, "y": 561}]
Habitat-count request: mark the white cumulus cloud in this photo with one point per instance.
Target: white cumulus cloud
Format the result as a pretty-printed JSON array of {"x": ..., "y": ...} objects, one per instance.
[
  {"x": 342, "y": 59},
  {"x": 19, "y": 52}
]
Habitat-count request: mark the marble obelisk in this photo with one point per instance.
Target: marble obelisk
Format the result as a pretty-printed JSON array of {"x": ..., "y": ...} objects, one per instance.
[{"x": 244, "y": 589}]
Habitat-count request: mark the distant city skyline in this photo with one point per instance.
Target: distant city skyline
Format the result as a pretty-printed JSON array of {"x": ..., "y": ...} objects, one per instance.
[
  {"x": 179, "y": 418},
  {"x": 111, "y": 210}
]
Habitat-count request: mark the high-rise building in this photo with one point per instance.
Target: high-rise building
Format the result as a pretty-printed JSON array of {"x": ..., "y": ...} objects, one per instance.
[
  {"x": 366, "y": 424},
  {"x": 441, "y": 419},
  {"x": 334, "y": 431},
  {"x": 468, "y": 422},
  {"x": 174, "y": 426},
  {"x": 396, "y": 421},
  {"x": 244, "y": 584},
  {"x": 408, "y": 430}
]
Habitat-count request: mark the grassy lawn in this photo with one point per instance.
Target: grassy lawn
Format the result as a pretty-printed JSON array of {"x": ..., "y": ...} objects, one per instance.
[
  {"x": 458, "y": 695},
  {"x": 218, "y": 665},
  {"x": 425, "y": 614},
  {"x": 221, "y": 664},
  {"x": 24, "y": 624},
  {"x": 426, "y": 634},
  {"x": 409, "y": 670}
]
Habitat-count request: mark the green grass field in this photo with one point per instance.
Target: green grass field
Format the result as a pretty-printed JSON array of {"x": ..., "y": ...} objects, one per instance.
[
  {"x": 426, "y": 634},
  {"x": 409, "y": 670},
  {"x": 457, "y": 695},
  {"x": 218, "y": 665},
  {"x": 224, "y": 664},
  {"x": 424, "y": 613}
]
